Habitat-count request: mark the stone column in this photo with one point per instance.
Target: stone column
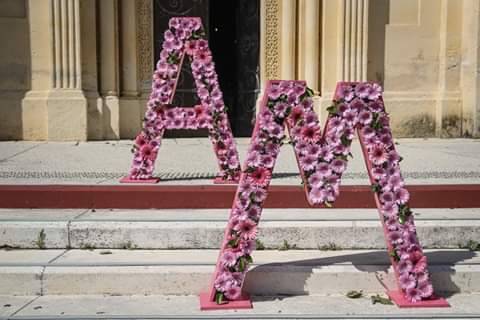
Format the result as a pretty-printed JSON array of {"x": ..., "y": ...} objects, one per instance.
[
  {"x": 55, "y": 108},
  {"x": 353, "y": 38},
  {"x": 470, "y": 75},
  {"x": 109, "y": 59},
  {"x": 448, "y": 108}
]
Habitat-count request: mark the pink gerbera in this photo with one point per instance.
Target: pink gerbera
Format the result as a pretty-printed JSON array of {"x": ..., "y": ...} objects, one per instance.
[
  {"x": 203, "y": 57},
  {"x": 378, "y": 154},
  {"x": 346, "y": 92},
  {"x": 229, "y": 258},
  {"x": 247, "y": 246},
  {"x": 374, "y": 91},
  {"x": 395, "y": 237},
  {"x": 259, "y": 194},
  {"x": 140, "y": 141},
  {"x": 296, "y": 114},
  {"x": 425, "y": 288},
  {"x": 414, "y": 294},
  {"x": 402, "y": 195},
  {"x": 315, "y": 180},
  {"x": 267, "y": 161},
  {"x": 421, "y": 265},
  {"x": 365, "y": 117},
  {"x": 387, "y": 197},
  {"x": 233, "y": 292},
  {"x": 280, "y": 109},
  {"x": 274, "y": 93},
  {"x": 317, "y": 195},
  {"x": 407, "y": 281},
  {"x": 260, "y": 176},
  {"x": 323, "y": 170},
  {"x": 254, "y": 212},
  {"x": 311, "y": 134},
  {"x": 223, "y": 281},
  {"x": 404, "y": 266},
  {"x": 338, "y": 165},
  {"x": 308, "y": 162},
  {"x": 147, "y": 151},
  {"x": 247, "y": 228}
]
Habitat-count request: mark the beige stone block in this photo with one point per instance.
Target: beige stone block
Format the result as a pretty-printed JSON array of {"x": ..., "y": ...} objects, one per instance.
[
  {"x": 34, "y": 115},
  {"x": 67, "y": 115},
  {"x": 11, "y": 115},
  {"x": 130, "y": 117}
]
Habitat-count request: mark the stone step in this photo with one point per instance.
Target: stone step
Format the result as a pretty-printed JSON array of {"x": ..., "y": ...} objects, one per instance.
[
  {"x": 463, "y": 306},
  {"x": 184, "y": 272},
  {"x": 325, "y": 229}
]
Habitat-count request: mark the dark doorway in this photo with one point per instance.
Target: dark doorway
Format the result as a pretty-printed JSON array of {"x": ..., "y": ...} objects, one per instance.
[{"x": 233, "y": 31}]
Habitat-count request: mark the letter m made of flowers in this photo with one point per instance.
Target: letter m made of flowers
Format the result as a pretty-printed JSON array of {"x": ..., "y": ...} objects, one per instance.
[
  {"x": 322, "y": 158},
  {"x": 185, "y": 38}
]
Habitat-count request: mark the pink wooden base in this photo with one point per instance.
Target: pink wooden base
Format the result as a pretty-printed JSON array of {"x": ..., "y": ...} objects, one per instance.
[
  {"x": 144, "y": 181},
  {"x": 206, "y": 304},
  {"x": 402, "y": 302},
  {"x": 220, "y": 180}
]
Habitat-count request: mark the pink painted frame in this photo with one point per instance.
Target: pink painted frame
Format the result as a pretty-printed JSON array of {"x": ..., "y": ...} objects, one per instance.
[
  {"x": 184, "y": 38},
  {"x": 207, "y": 301}
]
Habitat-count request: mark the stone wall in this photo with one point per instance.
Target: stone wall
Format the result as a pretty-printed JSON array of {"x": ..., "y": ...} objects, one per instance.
[{"x": 81, "y": 69}]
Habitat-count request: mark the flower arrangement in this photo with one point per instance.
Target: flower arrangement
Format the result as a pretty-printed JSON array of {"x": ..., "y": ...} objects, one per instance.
[
  {"x": 322, "y": 160},
  {"x": 185, "y": 37}
]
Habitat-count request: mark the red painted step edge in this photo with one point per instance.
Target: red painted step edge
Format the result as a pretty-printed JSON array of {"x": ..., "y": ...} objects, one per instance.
[{"x": 216, "y": 196}]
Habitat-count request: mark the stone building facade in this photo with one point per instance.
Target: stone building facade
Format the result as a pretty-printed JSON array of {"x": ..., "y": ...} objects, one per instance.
[{"x": 81, "y": 69}]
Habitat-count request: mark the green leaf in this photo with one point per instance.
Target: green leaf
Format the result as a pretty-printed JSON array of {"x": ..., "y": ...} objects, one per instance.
[
  {"x": 345, "y": 141},
  {"x": 394, "y": 255},
  {"x": 354, "y": 294},
  {"x": 233, "y": 243},
  {"x": 381, "y": 300},
  {"x": 310, "y": 92},
  {"x": 402, "y": 219},
  {"x": 220, "y": 298},
  {"x": 249, "y": 258},
  {"x": 376, "y": 188},
  {"x": 332, "y": 109},
  {"x": 241, "y": 264}
]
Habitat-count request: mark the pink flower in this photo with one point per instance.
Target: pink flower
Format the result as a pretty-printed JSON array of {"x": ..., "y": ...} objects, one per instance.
[
  {"x": 313, "y": 149},
  {"x": 259, "y": 194},
  {"x": 413, "y": 294},
  {"x": 311, "y": 119},
  {"x": 140, "y": 141},
  {"x": 376, "y": 106},
  {"x": 407, "y": 281},
  {"x": 148, "y": 152},
  {"x": 223, "y": 281},
  {"x": 247, "y": 247},
  {"x": 311, "y": 134},
  {"x": 378, "y": 173},
  {"x": 395, "y": 237},
  {"x": 229, "y": 258},
  {"x": 362, "y": 90},
  {"x": 254, "y": 212},
  {"x": 374, "y": 91},
  {"x": 421, "y": 265},
  {"x": 338, "y": 165},
  {"x": 254, "y": 160},
  {"x": 365, "y": 117},
  {"x": 387, "y": 197},
  {"x": 315, "y": 180},
  {"x": 404, "y": 266},
  {"x": 325, "y": 153},
  {"x": 247, "y": 229},
  {"x": 317, "y": 195},
  {"x": 390, "y": 209},
  {"x": 378, "y": 154},
  {"x": 280, "y": 109},
  {"x": 275, "y": 131},
  {"x": 275, "y": 92},
  {"x": 260, "y": 176},
  {"x": 308, "y": 162},
  {"x": 296, "y": 114},
  {"x": 425, "y": 288},
  {"x": 233, "y": 293},
  {"x": 323, "y": 170},
  {"x": 402, "y": 195},
  {"x": 346, "y": 92},
  {"x": 246, "y": 186},
  {"x": 267, "y": 161},
  {"x": 190, "y": 47}
]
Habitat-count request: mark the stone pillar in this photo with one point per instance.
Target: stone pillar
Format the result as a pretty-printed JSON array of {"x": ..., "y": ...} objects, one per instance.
[
  {"x": 449, "y": 109},
  {"x": 55, "y": 108},
  {"x": 353, "y": 38},
  {"x": 470, "y": 75},
  {"x": 109, "y": 73}
]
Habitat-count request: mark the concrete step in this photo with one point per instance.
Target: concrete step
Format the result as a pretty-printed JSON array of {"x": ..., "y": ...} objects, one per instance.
[
  {"x": 184, "y": 272},
  {"x": 463, "y": 306},
  {"x": 203, "y": 228}
]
